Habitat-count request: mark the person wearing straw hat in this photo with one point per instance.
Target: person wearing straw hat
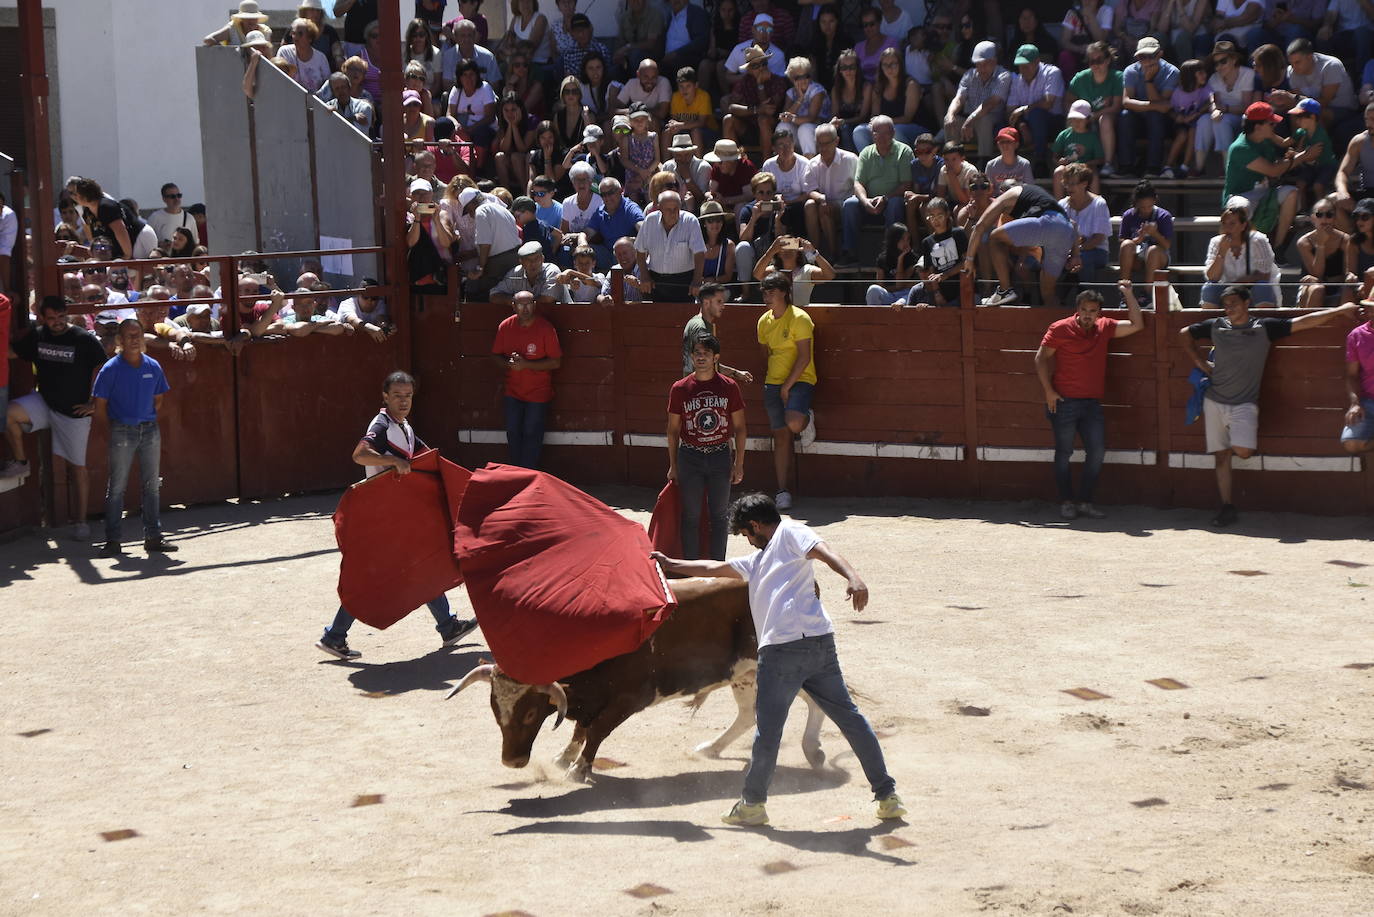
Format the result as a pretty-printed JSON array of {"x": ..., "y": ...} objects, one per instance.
[
  {"x": 757, "y": 99},
  {"x": 241, "y": 25},
  {"x": 693, "y": 172},
  {"x": 731, "y": 172}
]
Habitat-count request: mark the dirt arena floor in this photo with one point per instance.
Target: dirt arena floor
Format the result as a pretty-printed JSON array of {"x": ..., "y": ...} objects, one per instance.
[{"x": 173, "y": 743}]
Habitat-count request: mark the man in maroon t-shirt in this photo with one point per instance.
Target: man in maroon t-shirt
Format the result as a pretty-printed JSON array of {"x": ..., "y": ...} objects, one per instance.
[
  {"x": 527, "y": 348},
  {"x": 705, "y": 416},
  {"x": 1072, "y": 365}
]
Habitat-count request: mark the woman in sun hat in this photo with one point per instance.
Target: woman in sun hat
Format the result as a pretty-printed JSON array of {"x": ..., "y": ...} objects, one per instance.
[{"x": 247, "y": 20}]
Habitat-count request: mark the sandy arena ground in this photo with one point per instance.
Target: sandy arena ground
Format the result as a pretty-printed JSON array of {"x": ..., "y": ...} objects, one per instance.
[{"x": 183, "y": 700}]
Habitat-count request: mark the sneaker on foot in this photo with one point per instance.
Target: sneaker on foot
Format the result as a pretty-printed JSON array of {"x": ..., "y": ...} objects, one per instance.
[
  {"x": 1168, "y": 172},
  {"x": 1068, "y": 510},
  {"x": 337, "y": 648},
  {"x": 112, "y": 549},
  {"x": 1106, "y": 171},
  {"x": 783, "y": 500},
  {"x": 14, "y": 469},
  {"x": 1092, "y": 512},
  {"x": 1226, "y": 516},
  {"x": 1001, "y": 297},
  {"x": 891, "y": 807},
  {"x": 81, "y": 532},
  {"x": 457, "y": 630},
  {"x": 808, "y": 434},
  {"x": 159, "y": 545},
  {"x": 742, "y": 813}
]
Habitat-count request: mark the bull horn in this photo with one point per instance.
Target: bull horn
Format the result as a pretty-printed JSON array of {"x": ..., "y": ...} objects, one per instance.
[
  {"x": 481, "y": 673},
  {"x": 559, "y": 697}
]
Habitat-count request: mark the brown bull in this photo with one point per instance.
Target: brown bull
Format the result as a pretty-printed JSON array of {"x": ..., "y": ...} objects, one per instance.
[{"x": 708, "y": 642}]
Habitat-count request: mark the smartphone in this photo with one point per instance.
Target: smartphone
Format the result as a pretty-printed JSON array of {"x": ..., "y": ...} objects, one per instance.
[{"x": 425, "y": 209}]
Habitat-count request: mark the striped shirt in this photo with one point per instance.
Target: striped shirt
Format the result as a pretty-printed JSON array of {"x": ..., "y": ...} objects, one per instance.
[{"x": 389, "y": 436}]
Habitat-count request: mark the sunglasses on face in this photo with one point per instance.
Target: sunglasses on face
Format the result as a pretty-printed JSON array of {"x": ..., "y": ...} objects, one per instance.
[
  {"x": 1097, "y": 60},
  {"x": 541, "y": 194},
  {"x": 172, "y": 197},
  {"x": 1323, "y": 215},
  {"x": 849, "y": 66},
  {"x": 980, "y": 186}
]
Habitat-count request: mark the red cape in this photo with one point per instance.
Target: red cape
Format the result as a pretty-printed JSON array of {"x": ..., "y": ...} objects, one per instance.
[
  {"x": 559, "y": 580},
  {"x": 665, "y": 525},
  {"x": 395, "y": 533}
]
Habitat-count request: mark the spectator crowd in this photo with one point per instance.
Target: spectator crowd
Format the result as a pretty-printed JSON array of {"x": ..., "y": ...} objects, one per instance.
[
  {"x": 769, "y": 126},
  {"x": 774, "y": 150}
]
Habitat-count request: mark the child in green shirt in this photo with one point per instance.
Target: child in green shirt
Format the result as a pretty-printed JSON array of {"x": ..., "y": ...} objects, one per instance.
[{"x": 1077, "y": 143}]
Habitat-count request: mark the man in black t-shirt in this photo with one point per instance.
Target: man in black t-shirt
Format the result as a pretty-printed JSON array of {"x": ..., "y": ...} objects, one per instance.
[
  {"x": 66, "y": 359},
  {"x": 1037, "y": 220}
]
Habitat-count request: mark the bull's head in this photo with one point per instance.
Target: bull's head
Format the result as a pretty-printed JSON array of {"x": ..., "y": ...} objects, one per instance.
[{"x": 520, "y": 710}]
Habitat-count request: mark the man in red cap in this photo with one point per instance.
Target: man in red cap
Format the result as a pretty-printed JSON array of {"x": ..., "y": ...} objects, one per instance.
[{"x": 1254, "y": 156}]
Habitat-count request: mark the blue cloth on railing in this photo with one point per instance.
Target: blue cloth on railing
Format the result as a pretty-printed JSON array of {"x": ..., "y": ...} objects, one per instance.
[{"x": 1199, "y": 380}]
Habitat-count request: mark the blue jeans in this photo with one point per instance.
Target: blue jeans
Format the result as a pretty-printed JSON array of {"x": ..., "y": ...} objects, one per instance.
[
  {"x": 1078, "y": 417},
  {"x": 853, "y": 215},
  {"x": 1156, "y": 126},
  {"x": 1094, "y": 260},
  {"x": 437, "y": 607},
  {"x": 708, "y": 473},
  {"x": 1045, "y": 126},
  {"x": 808, "y": 664},
  {"x": 525, "y": 430},
  {"x": 143, "y": 440}
]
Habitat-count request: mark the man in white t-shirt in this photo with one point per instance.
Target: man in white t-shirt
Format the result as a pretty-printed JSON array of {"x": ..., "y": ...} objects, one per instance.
[
  {"x": 172, "y": 217},
  {"x": 650, "y": 88},
  {"x": 796, "y": 646}
]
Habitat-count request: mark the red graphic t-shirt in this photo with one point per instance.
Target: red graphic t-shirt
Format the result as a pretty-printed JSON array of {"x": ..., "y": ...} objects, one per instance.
[
  {"x": 705, "y": 408},
  {"x": 1080, "y": 368},
  {"x": 537, "y": 342}
]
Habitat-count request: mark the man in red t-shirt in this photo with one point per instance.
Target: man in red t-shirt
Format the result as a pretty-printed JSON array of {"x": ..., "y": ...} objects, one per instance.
[
  {"x": 1072, "y": 365},
  {"x": 705, "y": 416},
  {"x": 527, "y": 348}
]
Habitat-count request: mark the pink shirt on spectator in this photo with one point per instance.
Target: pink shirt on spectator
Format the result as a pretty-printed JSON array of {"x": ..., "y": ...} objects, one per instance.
[
  {"x": 372, "y": 82},
  {"x": 1359, "y": 348}
]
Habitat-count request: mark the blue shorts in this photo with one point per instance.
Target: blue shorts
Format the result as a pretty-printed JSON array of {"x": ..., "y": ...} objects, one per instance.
[
  {"x": 1364, "y": 430},
  {"x": 798, "y": 400},
  {"x": 1051, "y": 231}
]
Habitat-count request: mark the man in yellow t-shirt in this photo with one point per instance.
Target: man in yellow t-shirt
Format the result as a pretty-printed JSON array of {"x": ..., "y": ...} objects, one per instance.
[
  {"x": 787, "y": 336},
  {"x": 689, "y": 110}
]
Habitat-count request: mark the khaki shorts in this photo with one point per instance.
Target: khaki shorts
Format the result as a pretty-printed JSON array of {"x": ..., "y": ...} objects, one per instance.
[
  {"x": 1231, "y": 425},
  {"x": 69, "y": 434}
]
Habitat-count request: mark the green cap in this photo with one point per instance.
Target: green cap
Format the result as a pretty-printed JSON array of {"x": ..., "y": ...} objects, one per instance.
[{"x": 1027, "y": 54}]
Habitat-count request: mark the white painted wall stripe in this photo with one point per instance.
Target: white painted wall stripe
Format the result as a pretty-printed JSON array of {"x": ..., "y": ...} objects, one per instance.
[
  {"x": 551, "y": 438},
  {"x": 948, "y": 453},
  {"x": 827, "y": 447},
  {"x": 1269, "y": 462},
  {"x": 1013, "y": 454}
]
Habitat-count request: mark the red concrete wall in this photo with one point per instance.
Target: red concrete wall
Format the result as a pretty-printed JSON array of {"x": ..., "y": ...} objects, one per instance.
[{"x": 285, "y": 415}]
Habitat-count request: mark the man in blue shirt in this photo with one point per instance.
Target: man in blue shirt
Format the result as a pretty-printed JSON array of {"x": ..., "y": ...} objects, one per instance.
[
  {"x": 128, "y": 392},
  {"x": 616, "y": 217},
  {"x": 1149, "y": 86}
]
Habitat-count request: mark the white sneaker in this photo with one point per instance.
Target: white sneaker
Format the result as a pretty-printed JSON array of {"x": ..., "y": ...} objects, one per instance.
[
  {"x": 1107, "y": 170},
  {"x": 807, "y": 436},
  {"x": 13, "y": 469},
  {"x": 783, "y": 500},
  {"x": 1001, "y": 297}
]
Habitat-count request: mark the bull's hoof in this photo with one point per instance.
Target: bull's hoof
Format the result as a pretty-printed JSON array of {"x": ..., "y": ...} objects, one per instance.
[
  {"x": 707, "y": 750},
  {"x": 815, "y": 755},
  {"x": 580, "y": 772}
]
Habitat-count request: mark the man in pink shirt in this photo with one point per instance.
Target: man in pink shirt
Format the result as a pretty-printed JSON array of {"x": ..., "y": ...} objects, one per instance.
[{"x": 1358, "y": 435}]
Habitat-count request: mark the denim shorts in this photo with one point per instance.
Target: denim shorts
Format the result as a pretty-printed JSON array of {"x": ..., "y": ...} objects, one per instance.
[
  {"x": 1051, "y": 231},
  {"x": 798, "y": 400},
  {"x": 1364, "y": 430}
]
